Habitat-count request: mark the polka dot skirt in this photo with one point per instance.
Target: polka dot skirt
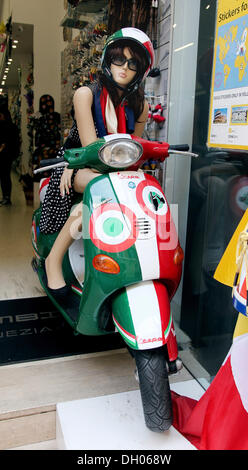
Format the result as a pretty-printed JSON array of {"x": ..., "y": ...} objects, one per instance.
[{"x": 55, "y": 208}]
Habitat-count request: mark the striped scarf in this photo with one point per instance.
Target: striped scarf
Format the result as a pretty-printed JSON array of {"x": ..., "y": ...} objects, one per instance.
[{"x": 108, "y": 119}]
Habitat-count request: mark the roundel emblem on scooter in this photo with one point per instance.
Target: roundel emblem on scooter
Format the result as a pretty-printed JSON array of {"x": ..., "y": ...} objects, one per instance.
[
  {"x": 239, "y": 195},
  {"x": 151, "y": 199},
  {"x": 113, "y": 227}
]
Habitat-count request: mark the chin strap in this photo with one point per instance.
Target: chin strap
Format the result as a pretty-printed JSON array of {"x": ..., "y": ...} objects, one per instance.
[{"x": 128, "y": 94}]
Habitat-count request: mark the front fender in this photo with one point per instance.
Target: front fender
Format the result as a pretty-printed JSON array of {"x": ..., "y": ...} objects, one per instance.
[{"x": 142, "y": 315}]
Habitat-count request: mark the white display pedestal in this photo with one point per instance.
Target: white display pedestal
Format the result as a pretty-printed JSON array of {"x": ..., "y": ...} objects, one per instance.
[{"x": 116, "y": 422}]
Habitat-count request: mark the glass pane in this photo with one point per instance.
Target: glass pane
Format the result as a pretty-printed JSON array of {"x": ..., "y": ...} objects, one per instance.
[{"x": 217, "y": 200}]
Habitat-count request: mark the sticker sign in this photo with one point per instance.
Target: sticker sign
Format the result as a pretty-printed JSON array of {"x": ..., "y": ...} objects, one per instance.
[{"x": 228, "y": 116}]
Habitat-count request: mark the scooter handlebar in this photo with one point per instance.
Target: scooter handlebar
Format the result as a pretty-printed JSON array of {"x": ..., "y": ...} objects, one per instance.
[
  {"x": 156, "y": 150},
  {"x": 180, "y": 147},
  {"x": 51, "y": 161},
  {"x": 153, "y": 150}
]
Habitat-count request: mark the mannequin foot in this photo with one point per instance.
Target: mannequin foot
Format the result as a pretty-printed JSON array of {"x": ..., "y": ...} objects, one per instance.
[{"x": 55, "y": 280}]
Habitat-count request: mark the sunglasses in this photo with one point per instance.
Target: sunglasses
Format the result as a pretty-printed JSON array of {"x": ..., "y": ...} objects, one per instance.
[{"x": 121, "y": 60}]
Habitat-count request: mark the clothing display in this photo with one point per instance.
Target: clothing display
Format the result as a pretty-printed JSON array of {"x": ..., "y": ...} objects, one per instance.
[
  {"x": 47, "y": 137},
  {"x": 48, "y": 133}
]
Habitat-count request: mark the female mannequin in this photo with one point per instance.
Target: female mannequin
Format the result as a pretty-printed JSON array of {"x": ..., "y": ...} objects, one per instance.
[{"x": 126, "y": 60}]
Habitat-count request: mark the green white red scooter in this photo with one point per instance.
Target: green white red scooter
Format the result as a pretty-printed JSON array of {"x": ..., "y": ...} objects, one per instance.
[{"x": 126, "y": 265}]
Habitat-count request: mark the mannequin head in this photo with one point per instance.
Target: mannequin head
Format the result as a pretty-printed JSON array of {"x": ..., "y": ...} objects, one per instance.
[
  {"x": 139, "y": 47},
  {"x": 123, "y": 66}
]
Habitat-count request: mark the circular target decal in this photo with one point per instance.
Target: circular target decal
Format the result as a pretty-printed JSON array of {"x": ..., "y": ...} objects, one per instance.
[
  {"x": 113, "y": 227},
  {"x": 239, "y": 195},
  {"x": 151, "y": 199}
]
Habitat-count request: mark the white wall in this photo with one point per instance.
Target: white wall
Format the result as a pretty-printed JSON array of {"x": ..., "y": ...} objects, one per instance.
[
  {"x": 5, "y": 10},
  {"x": 46, "y": 16}
]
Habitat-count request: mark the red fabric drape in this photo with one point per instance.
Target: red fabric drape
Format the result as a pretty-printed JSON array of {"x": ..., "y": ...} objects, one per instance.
[{"x": 218, "y": 421}]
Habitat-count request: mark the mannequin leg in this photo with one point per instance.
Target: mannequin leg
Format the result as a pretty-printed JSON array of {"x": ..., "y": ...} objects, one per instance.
[
  {"x": 67, "y": 234},
  {"x": 63, "y": 241}
]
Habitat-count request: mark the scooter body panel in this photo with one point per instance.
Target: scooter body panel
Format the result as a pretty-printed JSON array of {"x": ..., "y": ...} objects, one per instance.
[
  {"x": 156, "y": 237},
  {"x": 121, "y": 220},
  {"x": 126, "y": 217},
  {"x": 106, "y": 230},
  {"x": 142, "y": 315}
]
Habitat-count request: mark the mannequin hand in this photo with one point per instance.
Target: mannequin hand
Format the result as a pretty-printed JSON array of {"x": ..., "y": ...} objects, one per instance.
[{"x": 65, "y": 182}]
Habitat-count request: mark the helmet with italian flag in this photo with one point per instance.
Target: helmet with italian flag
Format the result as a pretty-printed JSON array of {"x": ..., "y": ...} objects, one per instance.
[{"x": 129, "y": 37}]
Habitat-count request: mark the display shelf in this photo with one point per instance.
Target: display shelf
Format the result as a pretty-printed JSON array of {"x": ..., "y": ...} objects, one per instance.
[
  {"x": 116, "y": 422},
  {"x": 80, "y": 62}
]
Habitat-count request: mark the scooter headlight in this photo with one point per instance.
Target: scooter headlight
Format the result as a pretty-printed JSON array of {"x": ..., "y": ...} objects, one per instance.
[{"x": 120, "y": 153}]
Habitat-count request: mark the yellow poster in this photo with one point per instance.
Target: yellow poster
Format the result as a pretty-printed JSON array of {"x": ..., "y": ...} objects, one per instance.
[{"x": 228, "y": 115}]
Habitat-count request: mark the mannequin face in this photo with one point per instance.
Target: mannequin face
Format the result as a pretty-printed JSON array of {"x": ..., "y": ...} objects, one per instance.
[{"x": 121, "y": 73}]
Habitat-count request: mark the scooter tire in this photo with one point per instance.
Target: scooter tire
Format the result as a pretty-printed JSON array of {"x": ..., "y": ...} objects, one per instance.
[{"x": 154, "y": 388}]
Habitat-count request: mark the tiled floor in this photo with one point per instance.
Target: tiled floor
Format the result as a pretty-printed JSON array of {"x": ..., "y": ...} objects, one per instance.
[{"x": 17, "y": 278}]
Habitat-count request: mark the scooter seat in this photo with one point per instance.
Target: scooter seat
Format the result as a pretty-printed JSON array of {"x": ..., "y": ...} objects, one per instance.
[{"x": 44, "y": 182}]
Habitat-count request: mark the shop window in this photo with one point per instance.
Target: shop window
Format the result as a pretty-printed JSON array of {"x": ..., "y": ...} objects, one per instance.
[{"x": 217, "y": 200}]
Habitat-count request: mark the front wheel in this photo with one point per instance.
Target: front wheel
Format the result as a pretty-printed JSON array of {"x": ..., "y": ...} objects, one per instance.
[{"x": 154, "y": 388}]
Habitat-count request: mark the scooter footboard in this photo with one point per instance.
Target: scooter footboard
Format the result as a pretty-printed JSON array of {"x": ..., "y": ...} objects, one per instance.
[{"x": 142, "y": 315}]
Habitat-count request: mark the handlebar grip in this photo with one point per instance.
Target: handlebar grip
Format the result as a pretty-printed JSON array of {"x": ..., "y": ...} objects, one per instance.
[
  {"x": 180, "y": 147},
  {"x": 51, "y": 161}
]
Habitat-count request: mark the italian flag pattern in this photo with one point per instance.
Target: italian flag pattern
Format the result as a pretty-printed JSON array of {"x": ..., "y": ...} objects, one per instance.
[
  {"x": 147, "y": 322},
  {"x": 150, "y": 225}
]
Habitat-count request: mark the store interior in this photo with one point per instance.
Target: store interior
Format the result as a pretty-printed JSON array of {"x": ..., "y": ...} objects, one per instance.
[
  {"x": 46, "y": 57},
  {"x": 42, "y": 111}
]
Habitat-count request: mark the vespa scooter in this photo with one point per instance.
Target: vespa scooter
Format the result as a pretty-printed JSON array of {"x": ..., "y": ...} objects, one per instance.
[{"x": 126, "y": 265}]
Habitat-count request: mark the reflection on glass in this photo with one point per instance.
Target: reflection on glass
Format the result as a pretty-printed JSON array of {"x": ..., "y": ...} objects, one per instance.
[{"x": 217, "y": 201}]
